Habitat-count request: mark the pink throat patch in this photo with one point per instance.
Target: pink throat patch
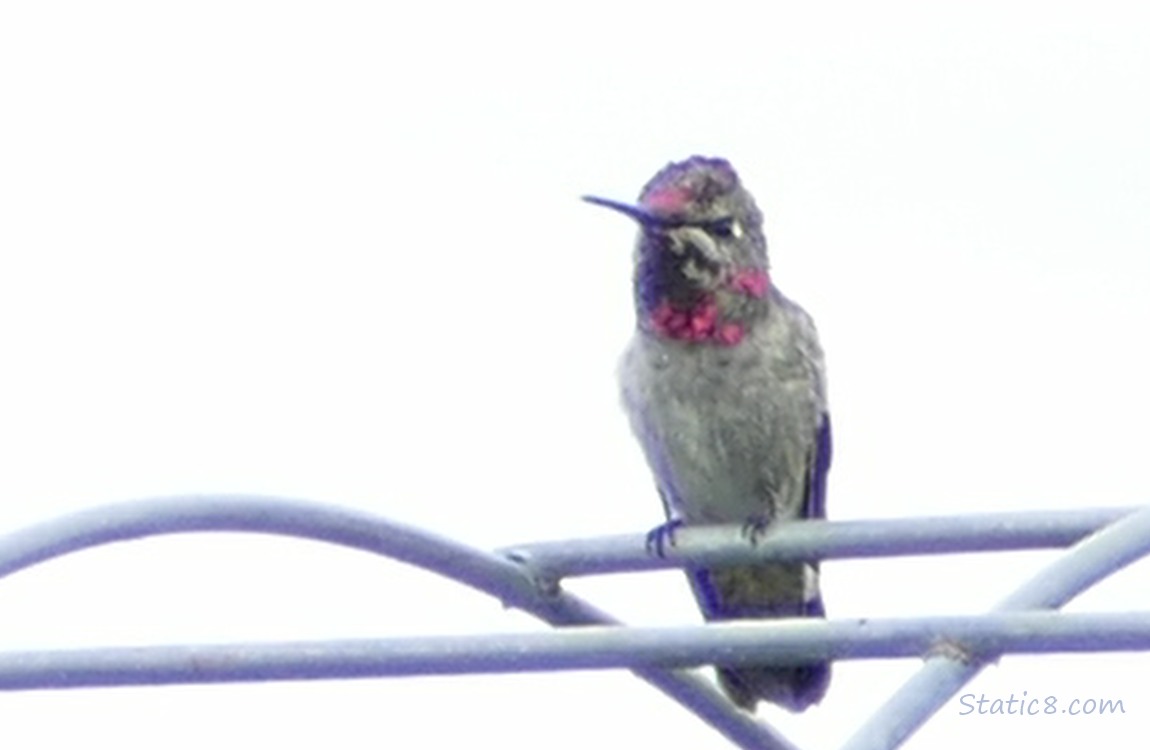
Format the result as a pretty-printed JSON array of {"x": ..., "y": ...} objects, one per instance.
[
  {"x": 697, "y": 324},
  {"x": 753, "y": 282},
  {"x": 701, "y": 322}
]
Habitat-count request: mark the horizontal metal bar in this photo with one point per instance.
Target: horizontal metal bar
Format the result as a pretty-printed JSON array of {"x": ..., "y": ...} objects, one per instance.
[
  {"x": 942, "y": 676},
  {"x": 512, "y": 583},
  {"x": 821, "y": 540},
  {"x": 523, "y": 576},
  {"x": 590, "y": 647}
]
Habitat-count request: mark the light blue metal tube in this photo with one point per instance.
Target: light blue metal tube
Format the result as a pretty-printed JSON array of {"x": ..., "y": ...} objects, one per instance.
[
  {"x": 588, "y": 647},
  {"x": 824, "y": 540},
  {"x": 943, "y": 675},
  {"x": 515, "y": 584}
]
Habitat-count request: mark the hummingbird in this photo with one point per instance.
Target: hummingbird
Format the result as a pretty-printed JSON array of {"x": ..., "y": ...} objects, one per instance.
[{"x": 723, "y": 383}]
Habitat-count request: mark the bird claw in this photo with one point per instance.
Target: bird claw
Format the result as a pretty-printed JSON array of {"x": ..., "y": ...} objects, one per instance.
[
  {"x": 755, "y": 529},
  {"x": 662, "y": 536}
]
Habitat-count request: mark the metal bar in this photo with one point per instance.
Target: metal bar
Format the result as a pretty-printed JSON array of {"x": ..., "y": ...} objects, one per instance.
[
  {"x": 943, "y": 676},
  {"x": 822, "y": 540},
  {"x": 515, "y": 584},
  {"x": 589, "y": 647}
]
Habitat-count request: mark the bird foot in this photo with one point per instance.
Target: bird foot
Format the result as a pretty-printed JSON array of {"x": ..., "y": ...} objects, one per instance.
[
  {"x": 755, "y": 529},
  {"x": 662, "y": 536}
]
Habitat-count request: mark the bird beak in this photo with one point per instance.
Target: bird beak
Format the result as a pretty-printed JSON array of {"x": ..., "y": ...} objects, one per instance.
[
  {"x": 637, "y": 213},
  {"x": 681, "y": 235}
]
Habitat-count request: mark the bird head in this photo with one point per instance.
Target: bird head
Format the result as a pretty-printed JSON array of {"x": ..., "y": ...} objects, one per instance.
[{"x": 701, "y": 257}]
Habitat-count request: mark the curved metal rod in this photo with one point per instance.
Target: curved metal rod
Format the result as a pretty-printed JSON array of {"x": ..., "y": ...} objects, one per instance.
[
  {"x": 516, "y": 584},
  {"x": 944, "y": 673}
]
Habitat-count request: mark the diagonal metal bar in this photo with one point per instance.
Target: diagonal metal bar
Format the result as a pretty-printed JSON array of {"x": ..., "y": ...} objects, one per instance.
[
  {"x": 823, "y": 540},
  {"x": 588, "y": 647},
  {"x": 943, "y": 675},
  {"x": 515, "y": 584},
  {"x": 526, "y": 576}
]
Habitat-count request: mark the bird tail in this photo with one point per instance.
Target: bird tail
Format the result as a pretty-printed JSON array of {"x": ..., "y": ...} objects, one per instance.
[{"x": 768, "y": 591}]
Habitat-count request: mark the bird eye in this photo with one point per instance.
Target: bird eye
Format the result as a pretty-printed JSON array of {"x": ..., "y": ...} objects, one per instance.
[{"x": 725, "y": 227}]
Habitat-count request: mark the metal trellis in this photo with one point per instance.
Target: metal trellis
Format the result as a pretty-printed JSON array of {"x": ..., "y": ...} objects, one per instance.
[{"x": 526, "y": 576}]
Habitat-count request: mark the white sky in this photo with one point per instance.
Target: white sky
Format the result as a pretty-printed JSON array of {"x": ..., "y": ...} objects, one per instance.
[{"x": 334, "y": 251}]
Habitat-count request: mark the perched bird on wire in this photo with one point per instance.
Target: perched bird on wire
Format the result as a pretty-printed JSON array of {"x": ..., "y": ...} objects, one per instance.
[{"x": 724, "y": 386}]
